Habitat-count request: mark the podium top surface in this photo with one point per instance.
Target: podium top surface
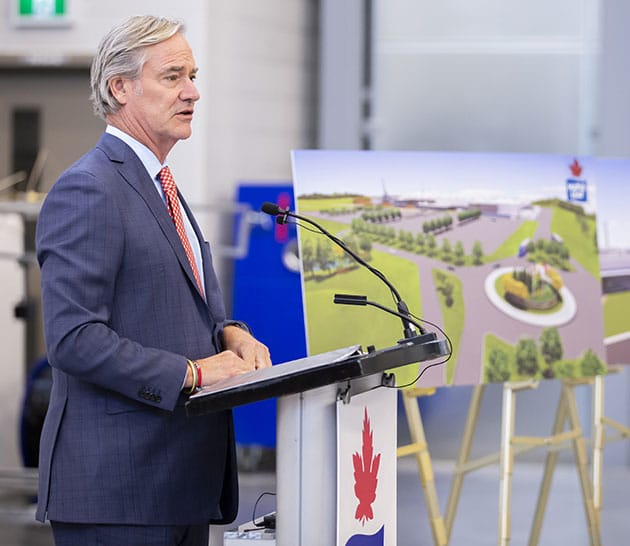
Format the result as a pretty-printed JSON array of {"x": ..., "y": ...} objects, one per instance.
[{"x": 309, "y": 373}]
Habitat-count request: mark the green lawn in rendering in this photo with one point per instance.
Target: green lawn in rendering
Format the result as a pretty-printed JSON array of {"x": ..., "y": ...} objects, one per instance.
[
  {"x": 616, "y": 319},
  {"x": 578, "y": 234},
  {"x": 452, "y": 315},
  {"x": 307, "y": 205},
  {"x": 510, "y": 246}
]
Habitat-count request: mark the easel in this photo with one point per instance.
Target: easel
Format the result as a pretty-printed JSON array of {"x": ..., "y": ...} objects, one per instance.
[
  {"x": 599, "y": 439},
  {"x": 567, "y": 410},
  {"x": 418, "y": 447},
  {"x": 511, "y": 446},
  {"x": 600, "y": 422}
]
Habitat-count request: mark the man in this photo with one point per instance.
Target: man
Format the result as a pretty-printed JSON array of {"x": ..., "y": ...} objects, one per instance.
[{"x": 134, "y": 318}]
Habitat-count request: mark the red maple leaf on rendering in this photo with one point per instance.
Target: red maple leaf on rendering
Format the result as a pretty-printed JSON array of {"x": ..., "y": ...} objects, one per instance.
[
  {"x": 365, "y": 474},
  {"x": 576, "y": 168}
]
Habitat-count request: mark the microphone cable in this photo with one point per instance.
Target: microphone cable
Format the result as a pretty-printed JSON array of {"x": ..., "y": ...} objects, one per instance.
[
  {"x": 267, "y": 522},
  {"x": 439, "y": 363}
]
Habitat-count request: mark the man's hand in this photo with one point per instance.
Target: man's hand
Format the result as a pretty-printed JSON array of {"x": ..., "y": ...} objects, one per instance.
[
  {"x": 246, "y": 346},
  {"x": 242, "y": 353}
]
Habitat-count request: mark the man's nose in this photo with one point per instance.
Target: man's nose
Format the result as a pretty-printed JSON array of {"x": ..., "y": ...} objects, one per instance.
[{"x": 190, "y": 91}]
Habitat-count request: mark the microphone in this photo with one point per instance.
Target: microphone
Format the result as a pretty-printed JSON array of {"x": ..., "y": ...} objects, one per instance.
[
  {"x": 409, "y": 325},
  {"x": 352, "y": 299},
  {"x": 281, "y": 214},
  {"x": 271, "y": 208}
]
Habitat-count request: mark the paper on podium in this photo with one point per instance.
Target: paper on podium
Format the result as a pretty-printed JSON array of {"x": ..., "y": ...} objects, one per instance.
[
  {"x": 304, "y": 373},
  {"x": 312, "y": 372}
]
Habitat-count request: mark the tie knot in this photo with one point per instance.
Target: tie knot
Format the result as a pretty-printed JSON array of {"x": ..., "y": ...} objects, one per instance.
[{"x": 166, "y": 178}]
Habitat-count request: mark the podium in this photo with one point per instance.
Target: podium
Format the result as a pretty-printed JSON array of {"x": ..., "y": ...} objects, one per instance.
[{"x": 308, "y": 391}]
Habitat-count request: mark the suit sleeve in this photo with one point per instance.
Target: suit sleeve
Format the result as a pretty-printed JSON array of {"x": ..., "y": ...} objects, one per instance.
[
  {"x": 80, "y": 246},
  {"x": 218, "y": 331}
]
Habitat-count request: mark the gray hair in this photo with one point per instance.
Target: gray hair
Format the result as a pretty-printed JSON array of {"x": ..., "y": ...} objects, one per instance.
[{"x": 121, "y": 53}]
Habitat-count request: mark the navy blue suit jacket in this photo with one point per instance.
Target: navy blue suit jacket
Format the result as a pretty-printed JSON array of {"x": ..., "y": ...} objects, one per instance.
[{"x": 121, "y": 315}]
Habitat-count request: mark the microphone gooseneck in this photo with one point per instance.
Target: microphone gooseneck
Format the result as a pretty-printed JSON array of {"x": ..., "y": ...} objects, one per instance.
[
  {"x": 409, "y": 325},
  {"x": 352, "y": 299}
]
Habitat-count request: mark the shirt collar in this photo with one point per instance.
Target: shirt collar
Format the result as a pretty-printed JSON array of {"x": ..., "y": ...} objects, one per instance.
[{"x": 146, "y": 156}]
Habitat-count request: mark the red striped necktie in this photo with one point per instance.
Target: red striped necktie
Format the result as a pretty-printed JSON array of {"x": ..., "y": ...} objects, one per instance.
[{"x": 172, "y": 204}]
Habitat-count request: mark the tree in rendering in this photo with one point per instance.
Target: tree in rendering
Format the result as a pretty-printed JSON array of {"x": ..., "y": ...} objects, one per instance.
[
  {"x": 527, "y": 357},
  {"x": 498, "y": 366}
]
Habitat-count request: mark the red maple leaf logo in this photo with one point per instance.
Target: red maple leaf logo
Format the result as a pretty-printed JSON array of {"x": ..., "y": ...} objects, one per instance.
[
  {"x": 576, "y": 168},
  {"x": 365, "y": 474}
]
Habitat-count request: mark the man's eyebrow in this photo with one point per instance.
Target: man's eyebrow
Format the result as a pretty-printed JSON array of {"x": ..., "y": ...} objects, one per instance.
[{"x": 178, "y": 69}]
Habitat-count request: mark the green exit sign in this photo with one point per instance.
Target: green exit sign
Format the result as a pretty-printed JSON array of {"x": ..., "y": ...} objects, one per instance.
[
  {"x": 40, "y": 12},
  {"x": 42, "y": 8}
]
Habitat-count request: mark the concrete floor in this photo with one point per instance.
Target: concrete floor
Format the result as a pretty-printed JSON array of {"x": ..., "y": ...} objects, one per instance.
[{"x": 476, "y": 522}]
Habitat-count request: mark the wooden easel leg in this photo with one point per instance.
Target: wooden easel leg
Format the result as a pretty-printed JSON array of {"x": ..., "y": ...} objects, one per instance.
[
  {"x": 419, "y": 448},
  {"x": 598, "y": 443},
  {"x": 464, "y": 453},
  {"x": 581, "y": 462},
  {"x": 550, "y": 465},
  {"x": 506, "y": 463}
]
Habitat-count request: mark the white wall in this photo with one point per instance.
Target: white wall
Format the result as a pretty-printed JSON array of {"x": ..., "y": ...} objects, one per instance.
[
  {"x": 439, "y": 102},
  {"x": 495, "y": 76},
  {"x": 612, "y": 134}
]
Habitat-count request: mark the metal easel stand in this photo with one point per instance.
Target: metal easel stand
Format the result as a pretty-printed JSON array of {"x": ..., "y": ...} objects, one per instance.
[
  {"x": 418, "y": 447},
  {"x": 512, "y": 446}
]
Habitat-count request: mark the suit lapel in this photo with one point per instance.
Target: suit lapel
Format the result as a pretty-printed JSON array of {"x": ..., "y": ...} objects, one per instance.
[
  {"x": 207, "y": 274},
  {"x": 133, "y": 172}
]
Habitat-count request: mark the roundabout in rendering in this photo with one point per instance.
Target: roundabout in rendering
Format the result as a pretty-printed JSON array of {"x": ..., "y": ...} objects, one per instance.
[{"x": 551, "y": 307}]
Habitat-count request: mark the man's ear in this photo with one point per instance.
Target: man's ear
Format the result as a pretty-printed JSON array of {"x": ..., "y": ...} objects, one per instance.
[{"x": 119, "y": 89}]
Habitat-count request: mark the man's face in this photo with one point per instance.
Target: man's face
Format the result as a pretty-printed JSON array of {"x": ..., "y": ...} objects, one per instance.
[{"x": 158, "y": 106}]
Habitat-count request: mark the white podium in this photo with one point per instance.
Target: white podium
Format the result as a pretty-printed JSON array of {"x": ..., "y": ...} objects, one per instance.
[{"x": 308, "y": 391}]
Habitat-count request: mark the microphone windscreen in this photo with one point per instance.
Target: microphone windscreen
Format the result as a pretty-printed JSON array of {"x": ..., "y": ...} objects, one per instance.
[{"x": 270, "y": 208}]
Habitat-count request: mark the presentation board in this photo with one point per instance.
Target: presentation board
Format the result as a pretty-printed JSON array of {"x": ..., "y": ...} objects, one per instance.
[{"x": 498, "y": 250}]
